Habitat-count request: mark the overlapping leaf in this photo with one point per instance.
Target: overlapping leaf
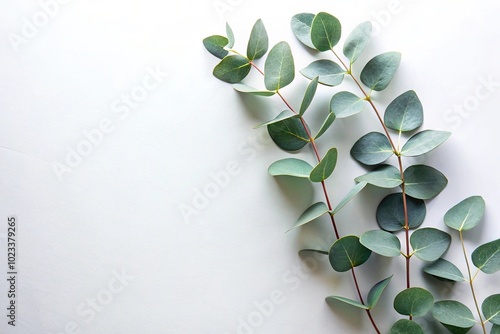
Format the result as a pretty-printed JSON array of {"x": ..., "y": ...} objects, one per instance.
[
  {"x": 381, "y": 242},
  {"x": 329, "y": 73},
  {"x": 325, "y": 31},
  {"x": 424, "y": 142},
  {"x": 415, "y": 302},
  {"x": 424, "y": 182},
  {"x": 301, "y": 27},
  {"x": 444, "y": 270},
  {"x": 232, "y": 69},
  {"x": 372, "y": 149},
  {"x": 215, "y": 45},
  {"x": 325, "y": 167},
  {"x": 487, "y": 257},
  {"x": 405, "y": 326},
  {"x": 429, "y": 244},
  {"x": 455, "y": 316},
  {"x": 384, "y": 176},
  {"x": 390, "y": 212},
  {"x": 288, "y": 134},
  {"x": 347, "y": 253},
  {"x": 345, "y": 104}
]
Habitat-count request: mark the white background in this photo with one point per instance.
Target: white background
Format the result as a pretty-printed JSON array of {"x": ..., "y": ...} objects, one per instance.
[{"x": 119, "y": 211}]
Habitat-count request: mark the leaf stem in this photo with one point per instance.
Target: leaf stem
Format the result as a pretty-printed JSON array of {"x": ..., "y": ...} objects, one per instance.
[
  {"x": 471, "y": 282},
  {"x": 362, "y": 301}
]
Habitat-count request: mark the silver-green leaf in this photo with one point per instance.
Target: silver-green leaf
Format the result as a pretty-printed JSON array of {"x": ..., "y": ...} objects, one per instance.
[
  {"x": 466, "y": 214},
  {"x": 444, "y": 270},
  {"x": 345, "y": 104},
  {"x": 405, "y": 326},
  {"x": 329, "y": 72},
  {"x": 232, "y": 69},
  {"x": 424, "y": 182},
  {"x": 404, "y": 113},
  {"x": 285, "y": 114},
  {"x": 311, "y": 213},
  {"x": 243, "y": 88},
  {"x": 384, "y": 176},
  {"x": 347, "y": 301},
  {"x": 357, "y": 41},
  {"x": 491, "y": 309},
  {"x": 347, "y": 253},
  {"x": 390, "y": 212},
  {"x": 325, "y": 31},
  {"x": 354, "y": 191},
  {"x": 230, "y": 36},
  {"x": 376, "y": 291},
  {"x": 326, "y": 125},
  {"x": 372, "y": 149},
  {"x": 325, "y": 167},
  {"x": 453, "y": 315},
  {"x": 424, "y": 142},
  {"x": 429, "y": 244},
  {"x": 381, "y": 242},
  {"x": 379, "y": 71},
  {"x": 308, "y": 96},
  {"x": 289, "y": 134},
  {"x": 415, "y": 302},
  {"x": 301, "y": 27},
  {"x": 215, "y": 45},
  {"x": 258, "y": 42},
  {"x": 279, "y": 68},
  {"x": 290, "y": 167},
  {"x": 487, "y": 257}
]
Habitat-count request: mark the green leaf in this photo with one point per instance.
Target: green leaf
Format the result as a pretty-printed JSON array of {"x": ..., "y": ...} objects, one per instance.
[
  {"x": 424, "y": 182},
  {"x": 354, "y": 191},
  {"x": 455, "y": 316},
  {"x": 429, "y": 244},
  {"x": 301, "y": 27},
  {"x": 258, "y": 42},
  {"x": 357, "y": 41},
  {"x": 404, "y": 113},
  {"x": 230, "y": 36},
  {"x": 384, "y": 176},
  {"x": 379, "y": 71},
  {"x": 415, "y": 302},
  {"x": 444, "y": 270},
  {"x": 325, "y": 167},
  {"x": 313, "y": 212},
  {"x": 487, "y": 257},
  {"x": 288, "y": 134},
  {"x": 347, "y": 301},
  {"x": 313, "y": 251},
  {"x": 390, "y": 212},
  {"x": 466, "y": 214},
  {"x": 424, "y": 142},
  {"x": 326, "y": 124},
  {"x": 279, "y": 68},
  {"x": 285, "y": 114},
  {"x": 308, "y": 96},
  {"x": 381, "y": 242},
  {"x": 491, "y": 309},
  {"x": 347, "y": 253},
  {"x": 215, "y": 45},
  {"x": 345, "y": 104},
  {"x": 232, "y": 69},
  {"x": 405, "y": 326},
  {"x": 243, "y": 88},
  {"x": 290, "y": 167},
  {"x": 372, "y": 149},
  {"x": 376, "y": 291},
  {"x": 329, "y": 72},
  {"x": 325, "y": 31},
  {"x": 495, "y": 329}
]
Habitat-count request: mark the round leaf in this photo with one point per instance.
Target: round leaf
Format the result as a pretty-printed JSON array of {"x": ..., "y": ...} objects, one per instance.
[
  {"x": 325, "y": 167},
  {"x": 357, "y": 41},
  {"x": 453, "y": 314},
  {"x": 347, "y": 253},
  {"x": 444, "y": 270},
  {"x": 258, "y": 42},
  {"x": 329, "y": 73},
  {"x": 345, "y": 104},
  {"x": 279, "y": 68},
  {"x": 313, "y": 212},
  {"x": 404, "y": 113},
  {"x": 215, "y": 45},
  {"x": 466, "y": 214},
  {"x": 301, "y": 27},
  {"x": 405, "y": 326},
  {"x": 487, "y": 257},
  {"x": 429, "y": 244},
  {"x": 376, "y": 291},
  {"x": 379, "y": 71},
  {"x": 288, "y": 134},
  {"x": 424, "y": 182},
  {"x": 372, "y": 149},
  {"x": 290, "y": 167},
  {"x": 424, "y": 142},
  {"x": 232, "y": 69},
  {"x": 384, "y": 176},
  {"x": 325, "y": 31},
  {"x": 414, "y": 302},
  {"x": 390, "y": 212},
  {"x": 381, "y": 242},
  {"x": 491, "y": 309}
]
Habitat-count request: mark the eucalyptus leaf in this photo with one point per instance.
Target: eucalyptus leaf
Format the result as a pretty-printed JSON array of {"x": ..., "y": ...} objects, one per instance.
[
  {"x": 424, "y": 182},
  {"x": 487, "y": 257},
  {"x": 258, "y": 42},
  {"x": 390, "y": 212},
  {"x": 424, "y": 142},
  {"x": 232, "y": 69},
  {"x": 322, "y": 252},
  {"x": 329, "y": 72},
  {"x": 289, "y": 134},
  {"x": 379, "y": 71},
  {"x": 347, "y": 301},
  {"x": 495, "y": 329},
  {"x": 279, "y": 68},
  {"x": 313, "y": 212},
  {"x": 325, "y": 167},
  {"x": 301, "y": 27},
  {"x": 466, "y": 214},
  {"x": 290, "y": 167},
  {"x": 285, "y": 114},
  {"x": 415, "y": 302},
  {"x": 404, "y": 113},
  {"x": 354, "y": 191},
  {"x": 326, "y": 125},
  {"x": 405, "y": 326},
  {"x": 357, "y": 41},
  {"x": 429, "y": 244},
  {"x": 376, "y": 291},
  {"x": 372, "y": 149},
  {"x": 381, "y": 242},
  {"x": 444, "y": 270},
  {"x": 453, "y": 315},
  {"x": 345, "y": 104},
  {"x": 230, "y": 36},
  {"x": 243, "y": 88},
  {"x": 215, "y": 45},
  {"x": 325, "y": 31},
  {"x": 491, "y": 309},
  {"x": 384, "y": 176},
  {"x": 308, "y": 96},
  {"x": 347, "y": 253}
]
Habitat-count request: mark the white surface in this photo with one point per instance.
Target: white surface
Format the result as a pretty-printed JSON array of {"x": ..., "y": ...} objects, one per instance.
[{"x": 119, "y": 211}]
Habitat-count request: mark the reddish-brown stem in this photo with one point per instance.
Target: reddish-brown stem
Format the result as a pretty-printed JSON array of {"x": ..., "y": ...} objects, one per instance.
[{"x": 362, "y": 301}]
